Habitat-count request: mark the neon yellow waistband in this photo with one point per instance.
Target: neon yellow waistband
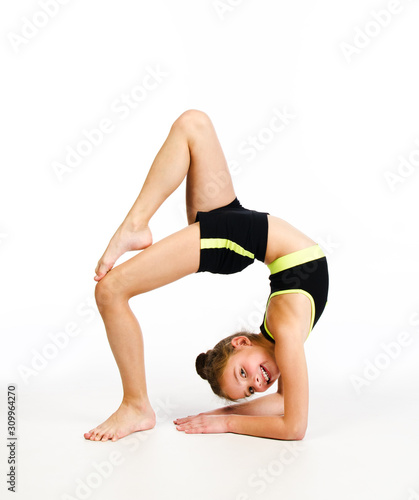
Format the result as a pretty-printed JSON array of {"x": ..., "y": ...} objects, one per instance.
[{"x": 296, "y": 258}]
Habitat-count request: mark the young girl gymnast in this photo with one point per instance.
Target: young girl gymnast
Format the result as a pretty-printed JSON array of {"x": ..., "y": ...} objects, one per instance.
[{"x": 222, "y": 237}]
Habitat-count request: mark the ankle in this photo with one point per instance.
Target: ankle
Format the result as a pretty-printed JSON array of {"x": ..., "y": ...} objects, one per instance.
[
  {"x": 136, "y": 404},
  {"x": 135, "y": 222}
]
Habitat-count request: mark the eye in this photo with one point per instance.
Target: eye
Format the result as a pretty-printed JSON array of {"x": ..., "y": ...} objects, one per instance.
[{"x": 243, "y": 374}]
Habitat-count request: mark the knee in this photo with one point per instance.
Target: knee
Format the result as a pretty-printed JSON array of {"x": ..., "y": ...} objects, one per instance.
[
  {"x": 192, "y": 120},
  {"x": 108, "y": 293}
]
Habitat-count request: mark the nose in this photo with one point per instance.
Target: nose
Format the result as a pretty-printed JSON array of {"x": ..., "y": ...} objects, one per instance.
[{"x": 258, "y": 381}]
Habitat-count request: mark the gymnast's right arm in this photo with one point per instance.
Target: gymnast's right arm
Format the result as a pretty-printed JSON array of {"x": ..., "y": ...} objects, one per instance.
[{"x": 271, "y": 404}]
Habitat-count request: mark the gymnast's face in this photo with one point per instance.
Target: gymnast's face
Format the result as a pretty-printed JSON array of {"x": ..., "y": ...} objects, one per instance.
[{"x": 252, "y": 368}]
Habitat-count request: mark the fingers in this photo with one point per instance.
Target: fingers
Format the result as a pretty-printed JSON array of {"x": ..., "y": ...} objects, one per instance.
[
  {"x": 186, "y": 427},
  {"x": 190, "y": 425},
  {"x": 184, "y": 419},
  {"x": 202, "y": 424},
  {"x": 192, "y": 428}
]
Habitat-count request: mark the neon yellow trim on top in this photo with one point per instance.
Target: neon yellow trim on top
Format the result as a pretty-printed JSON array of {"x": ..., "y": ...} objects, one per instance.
[
  {"x": 297, "y": 290},
  {"x": 296, "y": 258},
  {"x": 223, "y": 243}
]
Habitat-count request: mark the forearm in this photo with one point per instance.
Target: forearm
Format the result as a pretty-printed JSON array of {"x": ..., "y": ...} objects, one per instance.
[
  {"x": 255, "y": 422},
  {"x": 272, "y": 404},
  {"x": 274, "y": 427}
]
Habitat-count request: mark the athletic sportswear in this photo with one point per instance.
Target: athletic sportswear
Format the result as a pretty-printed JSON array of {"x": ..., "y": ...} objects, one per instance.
[{"x": 232, "y": 237}]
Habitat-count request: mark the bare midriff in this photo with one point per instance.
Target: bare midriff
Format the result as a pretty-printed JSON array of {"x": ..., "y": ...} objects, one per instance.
[{"x": 283, "y": 239}]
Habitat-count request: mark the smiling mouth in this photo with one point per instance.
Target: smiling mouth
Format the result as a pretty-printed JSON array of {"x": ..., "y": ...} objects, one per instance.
[{"x": 266, "y": 374}]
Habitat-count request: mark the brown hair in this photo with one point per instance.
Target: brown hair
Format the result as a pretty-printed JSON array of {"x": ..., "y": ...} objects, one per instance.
[{"x": 210, "y": 365}]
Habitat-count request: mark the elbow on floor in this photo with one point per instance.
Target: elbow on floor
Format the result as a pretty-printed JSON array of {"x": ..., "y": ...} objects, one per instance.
[
  {"x": 299, "y": 436},
  {"x": 298, "y": 433}
]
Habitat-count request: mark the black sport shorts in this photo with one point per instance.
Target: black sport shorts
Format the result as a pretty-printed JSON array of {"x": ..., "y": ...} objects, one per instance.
[{"x": 232, "y": 237}]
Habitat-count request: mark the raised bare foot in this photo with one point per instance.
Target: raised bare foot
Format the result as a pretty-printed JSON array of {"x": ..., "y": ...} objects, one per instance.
[
  {"x": 126, "y": 420},
  {"x": 126, "y": 238}
]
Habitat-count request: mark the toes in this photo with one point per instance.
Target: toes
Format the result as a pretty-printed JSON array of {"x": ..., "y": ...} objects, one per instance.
[
  {"x": 101, "y": 271},
  {"x": 89, "y": 435},
  {"x": 99, "y": 275},
  {"x": 97, "y": 435}
]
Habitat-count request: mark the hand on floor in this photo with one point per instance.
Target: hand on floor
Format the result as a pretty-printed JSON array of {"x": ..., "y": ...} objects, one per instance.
[{"x": 202, "y": 424}]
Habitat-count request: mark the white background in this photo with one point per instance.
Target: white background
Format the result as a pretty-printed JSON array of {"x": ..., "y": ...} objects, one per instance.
[{"x": 332, "y": 172}]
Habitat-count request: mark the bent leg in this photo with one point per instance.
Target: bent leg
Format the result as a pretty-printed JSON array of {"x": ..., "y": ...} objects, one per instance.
[
  {"x": 159, "y": 264},
  {"x": 208, "y": 183},
  {"x": 191, "y": 149}
]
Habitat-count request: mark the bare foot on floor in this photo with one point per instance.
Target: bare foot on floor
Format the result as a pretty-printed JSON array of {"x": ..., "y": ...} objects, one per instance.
[
  {"x": 126, "y": 420},
  {"x": 125, "y": 239}
]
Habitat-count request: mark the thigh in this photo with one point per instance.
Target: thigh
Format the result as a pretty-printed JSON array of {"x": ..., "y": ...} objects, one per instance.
[
  {"x": 163, "y": 262},
  {"x": 208, "y": 183}
]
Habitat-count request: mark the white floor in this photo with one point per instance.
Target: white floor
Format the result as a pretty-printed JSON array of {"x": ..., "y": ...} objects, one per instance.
[{"x": 359, "y": 445}]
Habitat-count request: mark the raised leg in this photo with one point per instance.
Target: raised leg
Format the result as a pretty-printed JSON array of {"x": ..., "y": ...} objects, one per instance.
[
  {"x": 159, "y": 264},
  {"x": 191, "y": 149}
]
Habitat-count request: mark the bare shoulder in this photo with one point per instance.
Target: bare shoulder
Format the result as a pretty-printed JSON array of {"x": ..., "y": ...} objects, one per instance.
[
  {"x": 289, "y": 315},
  {"x": 283, "y": 239}
]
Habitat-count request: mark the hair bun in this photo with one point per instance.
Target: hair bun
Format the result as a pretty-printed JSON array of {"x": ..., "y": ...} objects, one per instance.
[{"x": 200, "y": 363}]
